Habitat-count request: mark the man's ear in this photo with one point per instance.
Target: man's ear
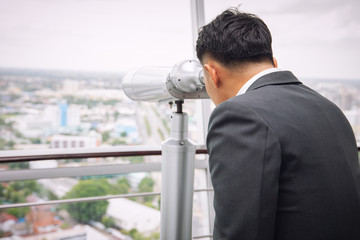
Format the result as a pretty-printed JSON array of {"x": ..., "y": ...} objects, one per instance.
[
  {"x": 275, "y": 62},
  {"x": 213, "y": 75}
]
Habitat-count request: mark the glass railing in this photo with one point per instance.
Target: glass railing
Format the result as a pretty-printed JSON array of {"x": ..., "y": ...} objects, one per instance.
[{"x": 67, "y": 198}]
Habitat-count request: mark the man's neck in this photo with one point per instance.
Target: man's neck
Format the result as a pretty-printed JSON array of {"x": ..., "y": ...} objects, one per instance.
[{"x": 237, "y": 78}]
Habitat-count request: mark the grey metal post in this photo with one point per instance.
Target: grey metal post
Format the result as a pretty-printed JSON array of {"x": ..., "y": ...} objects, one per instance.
[
  {"x": 178, "y": 156},
  {"x": 202, "y": 106}
]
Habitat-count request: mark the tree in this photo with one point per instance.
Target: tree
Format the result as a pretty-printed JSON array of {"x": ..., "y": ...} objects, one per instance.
[
  {"x": 27, "y": 187},
  {"x": 123, "y": 134},
  {"x": 122, "y": 186},
  {"x": 146, "y": 185},
  {"x": 108, "y": 222},
  {"x": 125, "y": 181},
  {"x": 35, "y": 140},
  {"x": 19, "y": 165},
  {"x": 117, "y": 141},
  {"x": 19, "y": 190},
  {"x": 15, "y": 193},
  {"x": 116, "y": 115},
  {"x": 1, "y": 190},
  {"x": 49, "y": 194},
  {"x": 31, "y": 186},
  {"x": 136, "y": 159},
  {"x": 87, "y": 211},
  {"x": 147, "y": 124},
  {"x": 105, "y": 136},
  {"x": 134, "y": 234},
  {"x": 19, "y": 212},
  {"x": 17, "y": 197},
  {"x": 6, "y": 145}
]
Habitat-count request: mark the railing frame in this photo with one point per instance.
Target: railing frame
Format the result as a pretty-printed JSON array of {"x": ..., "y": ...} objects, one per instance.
[
  {"x": 52, "y": 154},
  {"x": 77, "y": 153},
  {"x": 89, "y": 199},
  {"x": 95, "y": 170}
]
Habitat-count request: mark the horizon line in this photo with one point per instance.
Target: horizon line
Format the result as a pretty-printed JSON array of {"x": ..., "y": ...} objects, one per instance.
[{"x": 124, "y": 72}]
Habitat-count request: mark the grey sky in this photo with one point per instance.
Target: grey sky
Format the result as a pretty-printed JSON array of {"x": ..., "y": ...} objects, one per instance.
[{"x": 313, "y": 38}]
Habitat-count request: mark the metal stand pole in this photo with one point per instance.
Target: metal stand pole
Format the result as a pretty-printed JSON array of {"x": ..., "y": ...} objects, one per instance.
[{"x": 178, "y": 156}]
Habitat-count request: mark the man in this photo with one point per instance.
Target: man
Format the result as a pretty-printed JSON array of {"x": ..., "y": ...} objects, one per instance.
[{"x": 283, "y": 159}]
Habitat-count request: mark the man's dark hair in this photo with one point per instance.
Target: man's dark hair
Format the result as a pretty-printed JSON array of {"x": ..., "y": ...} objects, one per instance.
[{"x": 235, "y": 37}]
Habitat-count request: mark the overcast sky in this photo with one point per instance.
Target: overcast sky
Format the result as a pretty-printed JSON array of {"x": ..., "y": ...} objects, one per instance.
[{"x": 312, "y": 38}]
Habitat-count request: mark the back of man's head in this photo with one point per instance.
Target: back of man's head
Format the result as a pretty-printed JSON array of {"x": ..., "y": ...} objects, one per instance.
[{"x": 235, "y": 37}]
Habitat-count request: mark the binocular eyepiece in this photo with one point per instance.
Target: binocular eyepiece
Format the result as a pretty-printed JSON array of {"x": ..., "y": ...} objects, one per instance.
[{"x": 184, "y": 80}]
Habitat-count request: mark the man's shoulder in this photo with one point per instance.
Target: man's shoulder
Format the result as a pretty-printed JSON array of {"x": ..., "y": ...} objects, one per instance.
[
  {"x": 232, "y": 105},
  {"x": 235, "y": 109}
]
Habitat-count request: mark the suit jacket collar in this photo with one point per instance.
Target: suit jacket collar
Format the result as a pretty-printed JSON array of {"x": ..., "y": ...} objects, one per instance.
[{"x": 275, "y": 78}]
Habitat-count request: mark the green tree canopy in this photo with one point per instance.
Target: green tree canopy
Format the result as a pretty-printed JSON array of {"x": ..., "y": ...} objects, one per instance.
[
  {"x": 122, "y": 186},
  {"x": 87, "y": 211},
  {"x": 108, "y": 221},
  {"x": 105, "y": 136},
  {"x": 1, "y": 190},
  {"x": 19, "y": 165},
  {"x": 134, "y": 234},
  {"x": 146, "y": 185},
  {"x": 17, "y": 192},
  {"x": 19, "y": 212}
]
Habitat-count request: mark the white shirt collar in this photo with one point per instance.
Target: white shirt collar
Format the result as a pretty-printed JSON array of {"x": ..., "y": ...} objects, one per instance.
[{"x": 256, "y": 77}]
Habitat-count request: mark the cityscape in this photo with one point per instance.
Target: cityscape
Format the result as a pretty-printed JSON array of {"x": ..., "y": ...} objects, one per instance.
[{"x": 63, "y": 110}]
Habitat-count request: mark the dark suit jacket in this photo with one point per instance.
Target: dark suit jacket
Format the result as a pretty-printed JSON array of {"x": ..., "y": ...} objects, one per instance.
[{"x": 284, "y": 165}]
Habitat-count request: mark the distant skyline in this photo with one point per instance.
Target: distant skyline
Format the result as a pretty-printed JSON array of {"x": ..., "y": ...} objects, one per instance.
[{"x": 312, "y": 38}]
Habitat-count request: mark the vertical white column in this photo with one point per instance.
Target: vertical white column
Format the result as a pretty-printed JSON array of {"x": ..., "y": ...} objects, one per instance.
[
  {"x": 203, "y": 110},
  {"x": 177, "y": 168},
  {"x": 202, "y": 106}
]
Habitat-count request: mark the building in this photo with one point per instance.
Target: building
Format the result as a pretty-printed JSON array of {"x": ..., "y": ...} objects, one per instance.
[
  {"x": 59, "y": 186},
  {"x": 7, "y": 221},
  {"x": 37, "y": 122},
  {"x": 63, "y": 107},
  {"x": 127, "y": 127},
  {"x": 64, "y": 141},
  {"x": 43, "y": 164},
  {"x": 71, "y": 86},
  {"x": 43, "y": 221},
  {"x": 78, "y": 232},
  {"x": 129, "y": 214}
]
